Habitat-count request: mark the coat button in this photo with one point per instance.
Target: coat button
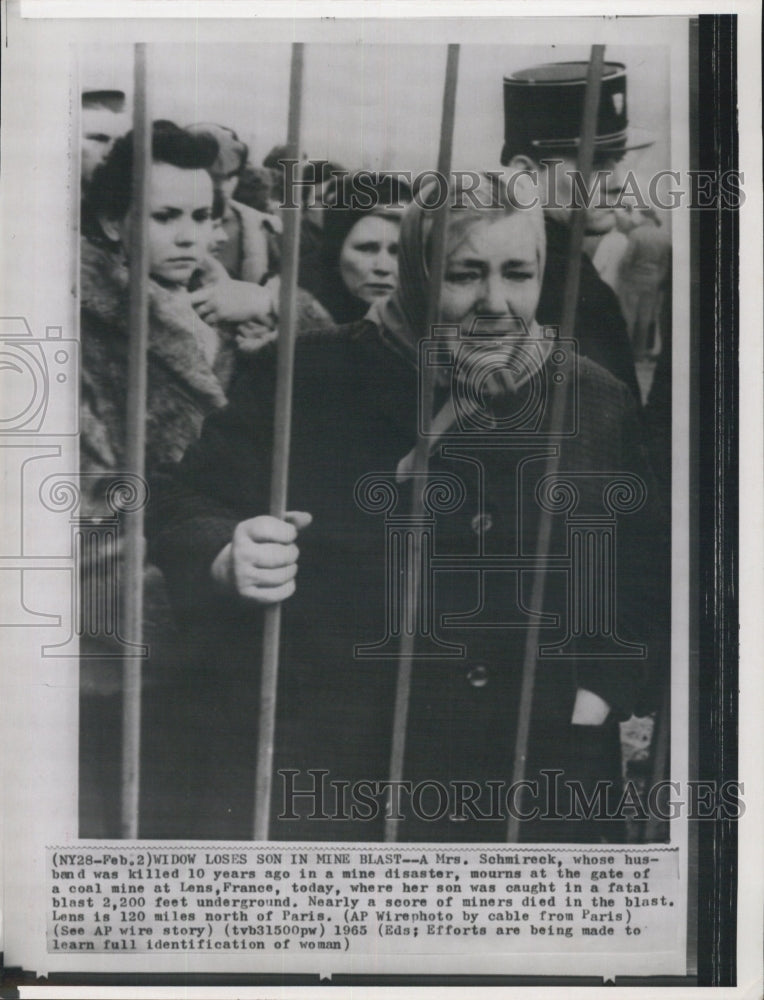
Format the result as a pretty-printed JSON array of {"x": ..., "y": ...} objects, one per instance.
[
  {"x": 481, "y": 523},
  {"x": 478, "y": 676}
]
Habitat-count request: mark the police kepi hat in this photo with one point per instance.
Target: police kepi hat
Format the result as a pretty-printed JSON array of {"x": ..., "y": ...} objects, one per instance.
[{"x": 544, "y": 105}]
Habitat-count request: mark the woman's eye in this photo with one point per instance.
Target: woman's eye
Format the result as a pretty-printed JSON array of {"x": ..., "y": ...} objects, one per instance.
[
  {"x": 203, "y": 215},
  {"x": 461, "y": 277},
  {"x": 161, "y": 216},
  {"x": 519, "y": 276}
]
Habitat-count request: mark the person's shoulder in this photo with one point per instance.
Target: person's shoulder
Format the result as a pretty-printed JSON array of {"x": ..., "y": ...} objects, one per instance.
[{"x": 254, "y": 217}]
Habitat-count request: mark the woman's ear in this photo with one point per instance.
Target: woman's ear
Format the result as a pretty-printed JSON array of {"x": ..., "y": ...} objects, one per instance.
[
  {"x": 112, "y": 228},
  {"x": 526, "y": 180},
  {"x": 522, "y": 163}
]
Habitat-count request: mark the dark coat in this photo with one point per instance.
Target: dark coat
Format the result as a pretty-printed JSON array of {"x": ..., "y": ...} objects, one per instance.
[
  {"x": 600, "y": 328},
  {"x": 354, "y": 414}
]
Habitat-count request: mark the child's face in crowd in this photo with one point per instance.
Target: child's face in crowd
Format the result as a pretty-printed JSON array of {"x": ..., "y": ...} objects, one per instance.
[
  {"x": 369, "y": 258},
  {"x": 493, "y": 273},
  {"x": 180, "y": 222}
]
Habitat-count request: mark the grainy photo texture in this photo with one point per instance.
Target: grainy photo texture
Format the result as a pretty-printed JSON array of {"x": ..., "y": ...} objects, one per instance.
[{"x": 463, "y": 593}]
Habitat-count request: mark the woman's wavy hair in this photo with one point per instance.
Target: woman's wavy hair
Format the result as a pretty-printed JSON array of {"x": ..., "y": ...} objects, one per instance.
[{"x": 111, "y": 187}]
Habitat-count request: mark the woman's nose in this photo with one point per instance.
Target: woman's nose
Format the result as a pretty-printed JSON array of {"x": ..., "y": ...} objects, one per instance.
[
  {"x": 493, "y": 300},
  {"x": 185, "y": 232},
  {"x": 384, "y": 262}
]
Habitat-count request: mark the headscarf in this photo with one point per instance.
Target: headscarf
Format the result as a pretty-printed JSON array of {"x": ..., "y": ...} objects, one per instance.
[
  {"x": 403, "y": 315},
  {"x": 351, "y": 198}
]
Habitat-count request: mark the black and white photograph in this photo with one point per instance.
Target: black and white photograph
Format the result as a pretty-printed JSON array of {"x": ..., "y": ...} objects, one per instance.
[
  {"x": 412, "y": 584},
  {"x": 372, "y": 476}
]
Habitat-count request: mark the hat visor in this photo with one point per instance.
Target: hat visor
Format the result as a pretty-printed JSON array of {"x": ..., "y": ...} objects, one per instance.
[
  {"x": 638, "y": 138},
  {"x": 618, "y": 143}
]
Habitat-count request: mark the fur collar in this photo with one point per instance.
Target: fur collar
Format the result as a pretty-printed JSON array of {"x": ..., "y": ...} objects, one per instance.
[{"x": 175, "y": 330}]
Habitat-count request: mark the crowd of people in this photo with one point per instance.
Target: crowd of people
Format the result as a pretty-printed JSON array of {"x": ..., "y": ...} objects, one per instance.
[{"x": 216, "y": 558}]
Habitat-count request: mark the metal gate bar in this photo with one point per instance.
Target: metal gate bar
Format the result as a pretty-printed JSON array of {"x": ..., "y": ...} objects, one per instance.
[
  {"x": 131, "y": 567},
  {"x": 422, "y": 450},
  {"x": 280, "y": 464}
]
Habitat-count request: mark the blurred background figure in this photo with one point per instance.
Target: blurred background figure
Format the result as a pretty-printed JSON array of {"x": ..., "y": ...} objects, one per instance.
[
  {"x": 255, "y": 189},
  {"x": 608, "y": 250},
  {"x": 315, "y": 178},
  {"x": 356, "y": 261},
  {"x": 643, "y": 282},
  {"x": 244, "y": 289},
  {"x": 542, "y": 121},
  {"x": 103, "y": 120},
  {"x": 252, "y": 234}
]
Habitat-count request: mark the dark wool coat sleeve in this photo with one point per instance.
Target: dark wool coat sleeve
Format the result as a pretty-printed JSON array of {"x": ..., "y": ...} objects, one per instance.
[
  {"x": 642, "y": 582},
  {"x": 221, "y": 480}
]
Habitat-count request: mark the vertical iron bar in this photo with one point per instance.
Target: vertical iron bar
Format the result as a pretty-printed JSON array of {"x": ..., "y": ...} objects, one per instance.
[
  {"x": 421, "y": 454},
  {"x": 585, "y": 161},
  {"x": 280, "y": 465},
  {"x": 131, "y": 589}
]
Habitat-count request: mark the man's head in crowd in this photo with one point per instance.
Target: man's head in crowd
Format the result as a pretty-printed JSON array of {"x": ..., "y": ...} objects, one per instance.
[
  {"x": 180, "y": 200},
  {"x": 543, "y": 109},
  {"x": 103, "y": 121},
  {"x": 317, "y": 178},
  {"x": 255, "y": 188},
  {"x": 231, "y": 160}
]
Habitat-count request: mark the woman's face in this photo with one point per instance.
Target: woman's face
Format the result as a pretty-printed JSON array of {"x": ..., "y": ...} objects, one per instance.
[
  {"x": 369, "y": 258},
  {"x": 493, "y": 274},
  {"x": 180, "y": 222}
]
